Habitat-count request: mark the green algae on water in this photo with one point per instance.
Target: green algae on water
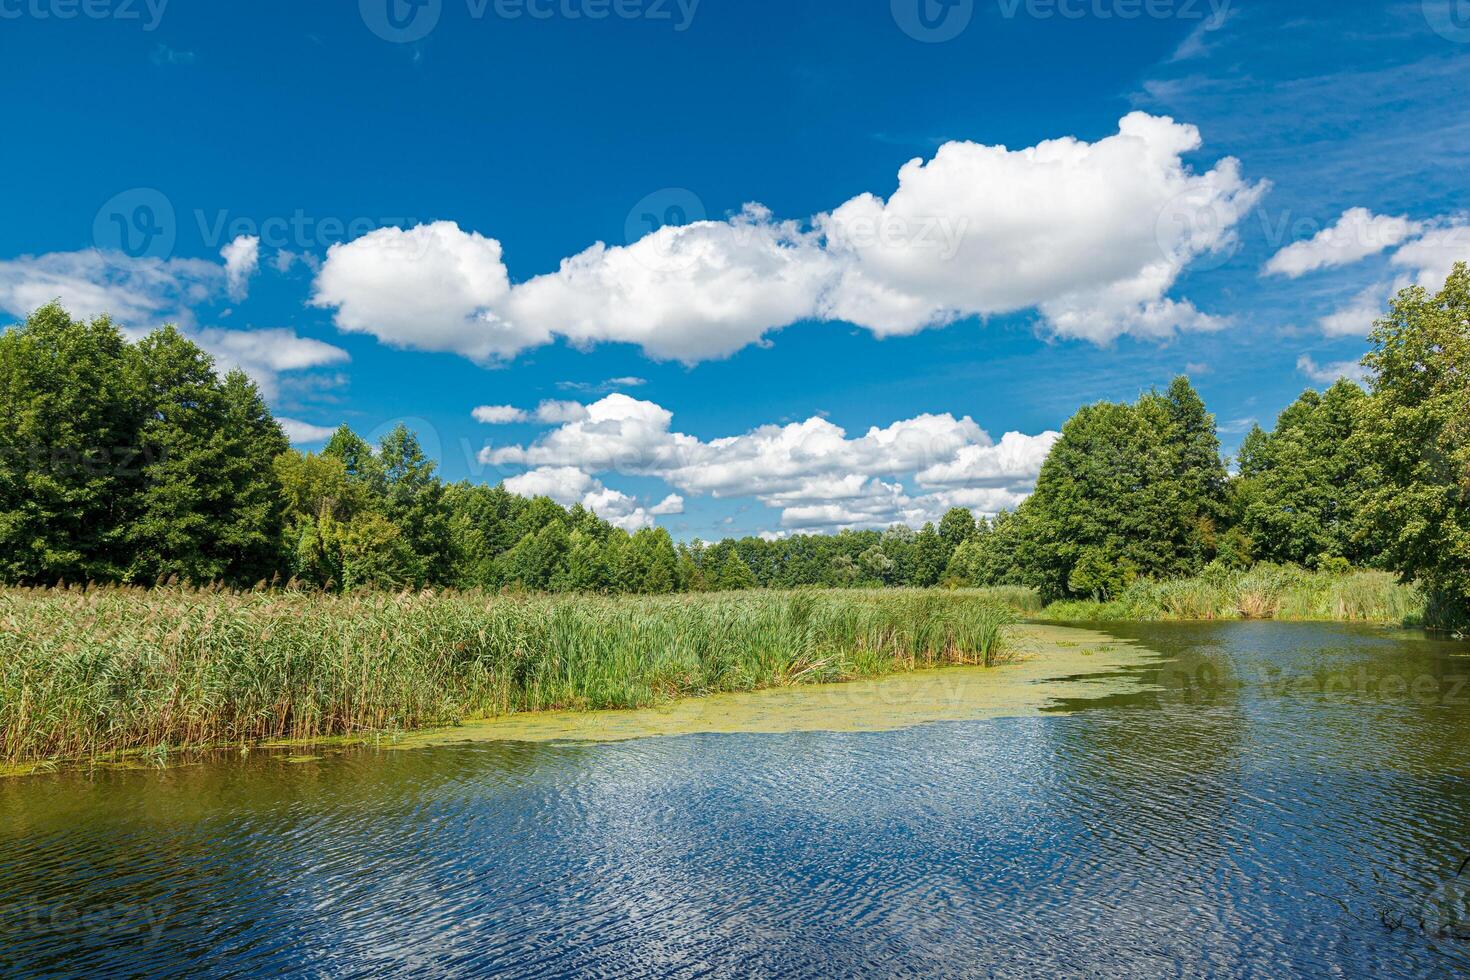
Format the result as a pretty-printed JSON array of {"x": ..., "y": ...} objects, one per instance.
[{"x": 1052, "y": 664}]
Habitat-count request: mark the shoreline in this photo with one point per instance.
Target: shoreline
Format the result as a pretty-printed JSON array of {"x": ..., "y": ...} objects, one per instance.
[{"x": 1044, "y": 663}]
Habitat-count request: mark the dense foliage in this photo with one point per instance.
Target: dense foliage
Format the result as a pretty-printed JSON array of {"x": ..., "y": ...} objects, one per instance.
[{"x": 136, "y": 463}]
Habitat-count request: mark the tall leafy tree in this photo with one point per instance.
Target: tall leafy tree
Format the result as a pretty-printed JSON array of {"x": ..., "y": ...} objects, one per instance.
[
  {"x": 69, "y": 465},
  {"x": 735, "y": 574},
  {"x": 956, "y": 527},
  {"x": 1135, "y": 486},
  {"x": 1415, "y": 438},
  {"x": 1198, "y": 469},
  {"x": 1299, "y": 494},
  {"x": 250, "y": 527},
  {"x": 930, "y": 556},
  {"x": 413, "y": 502},
  {"x": 188, "y": 502}
]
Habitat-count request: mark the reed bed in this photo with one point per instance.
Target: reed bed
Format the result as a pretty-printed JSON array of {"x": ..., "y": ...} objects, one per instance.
[
  {"x": 88, "y": 673},
  {"x": 1264, "y": 592}
]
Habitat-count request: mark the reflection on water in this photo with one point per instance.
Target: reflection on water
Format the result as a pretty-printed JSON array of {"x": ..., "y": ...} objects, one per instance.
[{"x": 1257, "y": 804}]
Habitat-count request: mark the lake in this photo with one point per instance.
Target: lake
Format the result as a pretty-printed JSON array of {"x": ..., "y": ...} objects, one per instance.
[{"x": 1236, "y": 799}]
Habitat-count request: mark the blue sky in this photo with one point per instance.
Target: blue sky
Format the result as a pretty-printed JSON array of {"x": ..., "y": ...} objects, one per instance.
[{"x": 195, "y": 162}]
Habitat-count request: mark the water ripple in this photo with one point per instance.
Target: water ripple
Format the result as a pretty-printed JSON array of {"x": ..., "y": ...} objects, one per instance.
[{"x": 1239, "y": 827}]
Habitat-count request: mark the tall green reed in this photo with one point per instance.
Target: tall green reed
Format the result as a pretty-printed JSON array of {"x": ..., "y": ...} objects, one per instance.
[{"x": 86, "y": 673}]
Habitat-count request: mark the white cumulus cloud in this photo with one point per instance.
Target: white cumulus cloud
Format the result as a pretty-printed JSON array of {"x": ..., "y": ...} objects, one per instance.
[
  {"x": 1357, "y": 234},
  {"x": 304, "y": 433},
  {"x": 812, "y": 471},
  {"x": 431, "y": 287},
  {"x": 1326, "y": 374},
  {"x": 499, "y": 414},
  {"x": 568, "y": 485},
  {"x": 266, "y": 354},
  {"x": 1432, "y": 257},
  {"x": 135, "y": 291},
  {"x": 242, "y": 260},
  {"x": 1092, "y": 235}
]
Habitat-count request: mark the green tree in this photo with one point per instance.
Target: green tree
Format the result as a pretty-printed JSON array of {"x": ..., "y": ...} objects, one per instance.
[
  {"x": 375, "y": 555},
  {"x": 735, "y": 575},
  {"x": 69, "y": 463},
  {"x": 588, "y": 568},
  {"x": 249, "y": 528},
  {"x": 1142, "y": 484},
  {"x": 956, "y": 527},
  {"x": 661, "y": 562},
  {"x": 931, "y": 555},
  {"x": 539, "y": 560},
  {"x": 413, "y": 503},
  {"x": 1299, "y": 494},
  {"x": 1096, "y": 575},
  {"x": 190, "y": 495},
  {"x": 1415, "y": 439},
  {"x": 361, "y": 463}
]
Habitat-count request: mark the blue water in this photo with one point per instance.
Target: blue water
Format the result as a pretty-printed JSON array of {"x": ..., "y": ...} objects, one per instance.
[{"x": 1268, "y": 803}]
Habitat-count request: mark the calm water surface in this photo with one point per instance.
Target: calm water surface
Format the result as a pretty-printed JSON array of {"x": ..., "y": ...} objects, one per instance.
[{"x": 1257, "y": 806}]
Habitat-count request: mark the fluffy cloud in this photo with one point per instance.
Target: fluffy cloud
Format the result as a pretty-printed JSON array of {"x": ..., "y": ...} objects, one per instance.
[
  {"x": 304, "y": 433},
  {"x": 1357, "y": 317},
  {"x": 568, "y": 485},
  {"x": 142, "y": 293},
  {"x": 1092, "y": 235},
  {"x": 266, "y": 354},
  {"x": 555, "y": 412},
  {"x": 550, "y": 412},
  {"x": 431, "y": 288},
  {"x": 1326, "y": 374},
  {"x": 1357, "y": 234},
  {"x": 242, "y": 259},
  {"x": 139, "y": 291},
  {"x": 672, "y": 504},
  {"x": 499, "y": 414},
  {"x": 1015, "y": 457},
  {"x": 681, "y": 293},
  {"x": 818, "y": 477},
  {"x": 1426, "y": 254},
  {"x": 1432, "y": 257},
  {"x": 1426, "y": 257}
]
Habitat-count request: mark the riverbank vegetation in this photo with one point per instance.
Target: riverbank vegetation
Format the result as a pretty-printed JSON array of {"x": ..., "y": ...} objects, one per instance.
[
  {"x": 89, "y": 672},
  {"x": 1265, "y": 591},
  {"x": 136, "y": 463}
]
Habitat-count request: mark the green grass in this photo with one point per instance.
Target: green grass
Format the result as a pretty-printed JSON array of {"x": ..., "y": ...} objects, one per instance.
[
  {"x": 1263, "y": 592},
  {"x": 84, "y": 674}
]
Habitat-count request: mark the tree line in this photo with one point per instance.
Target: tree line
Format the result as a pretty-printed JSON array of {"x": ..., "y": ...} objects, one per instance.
[{"x": 137, "y": 462}]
